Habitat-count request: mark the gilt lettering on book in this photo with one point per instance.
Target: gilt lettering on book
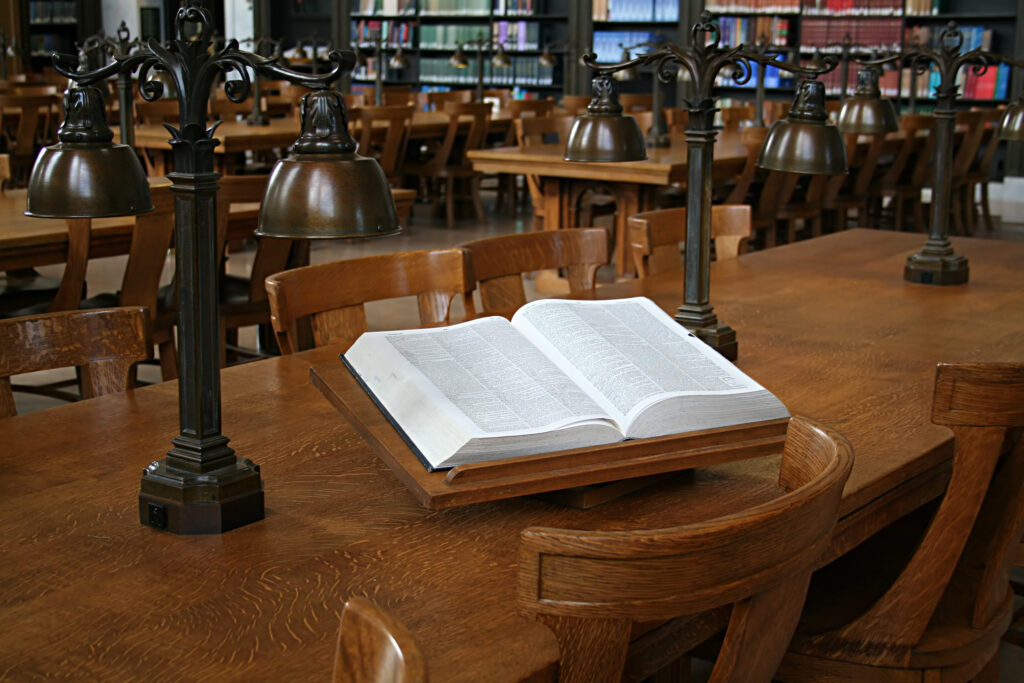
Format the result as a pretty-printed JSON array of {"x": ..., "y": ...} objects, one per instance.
[{"x": 562, "y": 374}]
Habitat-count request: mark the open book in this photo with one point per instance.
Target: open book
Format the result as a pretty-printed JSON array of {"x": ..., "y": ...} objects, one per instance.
[{"x": 563, "y": 374}]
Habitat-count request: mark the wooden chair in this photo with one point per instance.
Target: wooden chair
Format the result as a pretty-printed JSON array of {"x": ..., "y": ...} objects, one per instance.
[
  {"x": 980, "y": 173},
  {"x": 575, "y": 104},
  {"x": 592, "y": 587},
  {"x": 392, "y": 96},
  {"x": 929, "y": 598},
  {"x": 390, "y": 151},
  {"x": 676, "y": 119},
  {"x": 164, "y": 110},
  {"x": 732, "y": 117},
  {"x": 374, "y": 648},
  {"x": 140, "y": 285},
  {"x": 632, "y": 102},
  {"x": 500, "y": 262},
  {"x": 31, "y": 132},
  {"x": 104, "y": 343},
  {"x": 976, "y": 124},
  {"x": 520, "y": 108},
  {"x": 437, "y": 100},
  {"x": 243, "y": 300},
  {"x": 655, "y": 236},
  {"x": 503, "y": 95},
  {"x": 901, "y": 184},
  {"x": 330, "y": 296},
  {"x": 24, "y": 292},
  {"x": 449, "y": 163},
  {"x": 844, "y": 193}
]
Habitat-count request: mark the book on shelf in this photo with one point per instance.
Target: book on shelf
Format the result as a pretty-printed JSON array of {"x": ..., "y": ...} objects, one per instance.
[{"x": 562, "y": 374}]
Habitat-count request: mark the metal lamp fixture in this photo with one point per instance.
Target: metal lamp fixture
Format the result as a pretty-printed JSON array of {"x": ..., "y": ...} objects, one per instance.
[
  {"x": 866, "y": 112},
  {"x": 936, "y": 263},
  {"x": 202, "y": 486},
  {"x": 259, "y": 45},
  {"x": 500, "y": 60},
  {"x": 1011, "y": 127},
  {"x": 656, "y": 136},
  {"x": 604, "y": 133},
  {"x": 805, "y": 141},
  {"x": 398, "y": 61},
  {"x": 703, "y": 59}
]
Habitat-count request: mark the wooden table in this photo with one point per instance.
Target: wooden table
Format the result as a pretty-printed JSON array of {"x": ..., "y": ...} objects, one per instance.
[
  {"x": 237, "y": 137},
  {"x": 828, "y": 324},
  {"x": 630, "y": 181}
]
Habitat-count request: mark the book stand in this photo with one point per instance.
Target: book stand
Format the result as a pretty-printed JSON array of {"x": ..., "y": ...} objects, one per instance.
[{"x": 544, "y": 472}]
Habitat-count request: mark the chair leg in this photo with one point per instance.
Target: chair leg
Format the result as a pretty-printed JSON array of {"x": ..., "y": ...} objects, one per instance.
[
  {"x": 474, "y": 192},
  {"x": 449, "y": 202},
  {"x": 986, "y": 211}
]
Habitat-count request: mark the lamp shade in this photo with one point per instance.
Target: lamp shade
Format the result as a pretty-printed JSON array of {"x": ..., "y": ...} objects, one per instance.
[
  {"x": 546, "y": 58},
  {"x": 324, "y": 189},
  {"x": 866, "y": 112},
  {"x": 72, "y": 179},
  {"x": 603, "y": 133},
  {"x": 1012, "y": 125},
  {"x": 500, "y": 58},
  {"x": 398, "y": 61},
  {"x": 458, "y": 59},
  {"x": 805, "y": 142}
]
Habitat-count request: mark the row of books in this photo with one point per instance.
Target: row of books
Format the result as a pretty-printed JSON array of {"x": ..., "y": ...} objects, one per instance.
[
  {"x": 386, "y": 7},
  {"x": 871, "y": 8},
  {"x": 736, "y": 30},
  {"x": 827, "y": 34},
  {"x": 524, "y": 71},
  {"x": 636, "y": 10},
  {"x": 510, "y": 8},
  {"x": 755, "y": 6},
  {"x": 516, "y": 92},
  {"x": 369, "y": 71},
  {"x": 516, "y": 35},
  {"x": 448, "y": 7},
  {"x": 923, "y": 8},
  {"x": 45, "y": 44},
  {"x": 365, "y": 32},
  {"x": 52, "y": 12},
  {"x": 993, "y": 84},
  {"x": 974, "y": 36},
  {"x": 608, "y": 44},
  {"x": 450, "y": 36}
]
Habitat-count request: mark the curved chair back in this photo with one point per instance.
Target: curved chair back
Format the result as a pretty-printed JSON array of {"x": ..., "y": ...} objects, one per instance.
[
  {"x": 589, "y": 587},
  {"x": 331, "y": 295},
  {"x": 390, "y": 150},
  {"x": 655, "y": 236},
  {"x": 105, "y": 343},
  {"x": 499, "y": 262},
  {"x": 374, "y": 648}
]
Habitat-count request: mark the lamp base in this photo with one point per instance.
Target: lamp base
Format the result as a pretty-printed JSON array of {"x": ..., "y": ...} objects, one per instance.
[
  {"x": 930, "y": 268},
  {"x": 704, "y": 324},
  {"x": 209, "y": 503},
  {"x": 660, "y": 140},
  {"x": 260, "y": 120}
]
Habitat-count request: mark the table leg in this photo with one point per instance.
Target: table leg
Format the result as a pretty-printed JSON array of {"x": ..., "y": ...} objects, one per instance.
[{"x": 627, "y": 203}]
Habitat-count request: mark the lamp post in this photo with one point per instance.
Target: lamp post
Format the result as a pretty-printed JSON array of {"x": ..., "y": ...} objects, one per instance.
[
  {"x": 499, "y": 60},
  {"x": 804, "y": 143},
  {"x": 398, "y": 61},
  {"x": 656, "y": 136},
  {"x": 202, "y": 486},
  {"x": 936, "y": 263}
]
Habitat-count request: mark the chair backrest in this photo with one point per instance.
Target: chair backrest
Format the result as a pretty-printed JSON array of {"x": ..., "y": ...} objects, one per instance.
[
  {"x": 331, "y": 295},
  {"x": 535, "y": 108},
  {"x": 479, "y": 115},
  {"x": 158, "y": 111},
  {"x": 503, "y": 95},
  {"x": 35, "y": 109},
  {"x": 972, "y": 538},
  {"x": 654, "y": 236},
  {"x": 392, "y": 95},
  {"x": 540, "y": 130},
  {"x": 397, "y": 120},
  {"x": 104, "y": 342},
  {"x": 223, "y": 109},
  {"x": 676, "y": 118},
  {"x": 982, "y": 166},
  {"x": 437, "y": 100},
  {"x": 151, "y": 239},
  {"x": 636, "y": 101},
  {"x": 752, "y": 139},
  {"x": 589, "y": 587},
  {"x": 271, "y": 252},
  {"x": 374, "y": 648},
  {"x": 966, "y": 150},
  {"x": 732, "y": 117},
  {"x": 913, "y": 127},
  {"x": 500, "y": 262},
  {"x": 575, "y": 104}
]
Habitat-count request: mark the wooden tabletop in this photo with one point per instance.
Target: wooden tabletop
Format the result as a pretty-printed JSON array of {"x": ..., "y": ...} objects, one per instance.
[
  {"x": 663, "y": 165},
  {"x": 86, "y": 592},
  {"x": 238, "y": 136}
]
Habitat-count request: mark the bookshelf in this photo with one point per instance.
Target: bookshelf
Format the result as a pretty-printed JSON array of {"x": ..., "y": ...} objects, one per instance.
[
  {"x": 430, "y": 31},
  {"x": 55, "y": 26}
]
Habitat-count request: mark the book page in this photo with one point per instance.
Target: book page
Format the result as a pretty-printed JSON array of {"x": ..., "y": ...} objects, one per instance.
[
  {"x": 481, "y": 378},
  {"x": 629, "y": 351}
]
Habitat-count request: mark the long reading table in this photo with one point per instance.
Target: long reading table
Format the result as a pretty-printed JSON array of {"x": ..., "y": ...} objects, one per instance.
[{"x": 827, "y": 324}]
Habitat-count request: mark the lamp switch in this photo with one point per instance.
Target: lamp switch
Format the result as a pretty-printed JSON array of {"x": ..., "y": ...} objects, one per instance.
[{"x": 157, "y": 516}]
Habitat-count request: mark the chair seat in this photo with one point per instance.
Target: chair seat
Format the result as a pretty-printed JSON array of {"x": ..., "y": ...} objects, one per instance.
[{"x": 21, "y": 289}]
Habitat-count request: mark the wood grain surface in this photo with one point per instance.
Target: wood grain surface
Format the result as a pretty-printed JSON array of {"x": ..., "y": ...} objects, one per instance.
[{"x": 828, "y": 325}]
